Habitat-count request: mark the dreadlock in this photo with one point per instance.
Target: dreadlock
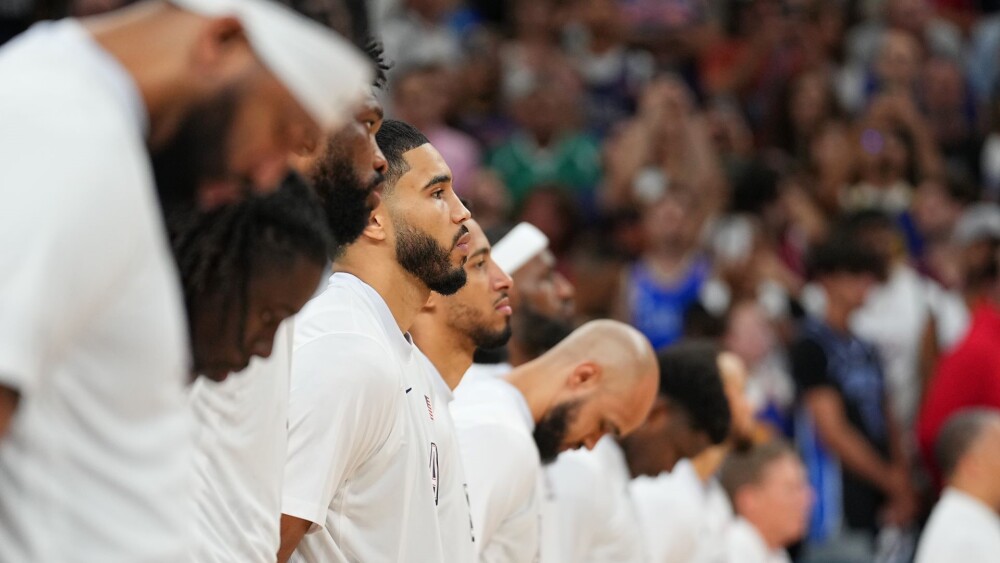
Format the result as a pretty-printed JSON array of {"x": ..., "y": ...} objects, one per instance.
[{"x": 219, "y": 252}]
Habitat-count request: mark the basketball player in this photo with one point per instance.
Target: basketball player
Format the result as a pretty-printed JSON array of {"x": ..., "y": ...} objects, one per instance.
[
  {"x": 95, "y": 450},
  {"x": 360, "y": 473},
  {"x": 600, "y": 380}
]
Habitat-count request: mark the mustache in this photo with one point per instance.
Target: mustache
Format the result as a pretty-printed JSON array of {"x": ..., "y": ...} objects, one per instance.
[
  {"x": 503, "y": 296},
  {"x": 461, "y": 233}
]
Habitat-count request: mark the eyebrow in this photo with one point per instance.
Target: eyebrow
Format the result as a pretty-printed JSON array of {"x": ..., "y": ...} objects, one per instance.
[
  {"x": 439, "y": 179},
  {"x": 484, "y": 250}
]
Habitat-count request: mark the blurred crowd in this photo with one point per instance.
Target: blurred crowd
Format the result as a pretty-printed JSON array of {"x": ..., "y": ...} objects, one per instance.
[{"x": 812, "y": 184}]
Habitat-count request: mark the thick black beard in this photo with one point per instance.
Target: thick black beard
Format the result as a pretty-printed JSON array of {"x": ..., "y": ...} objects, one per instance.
[
  {"x": 196, "y": 154},
  {"x": 346, "y": 200},
  {"x": 421, "y": 255},
  {"x": 483, "y": 337},
  {"x": 550, "y": 432},
  {"x": 539, "y": 333}
]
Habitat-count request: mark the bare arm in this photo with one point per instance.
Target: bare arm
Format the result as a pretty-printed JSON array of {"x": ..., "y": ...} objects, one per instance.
[
  {"x": 292, "y": 531},
  {"x": 8, "y": 404},
  {"x": 848, "y": 444}
]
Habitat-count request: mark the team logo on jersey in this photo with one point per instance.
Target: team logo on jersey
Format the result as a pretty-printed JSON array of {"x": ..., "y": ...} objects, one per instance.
[
  {"x": 434, "y": 472},
  {"x": 430, "y": 407}
]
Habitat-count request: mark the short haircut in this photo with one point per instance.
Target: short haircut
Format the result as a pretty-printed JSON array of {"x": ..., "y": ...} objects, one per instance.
[
  {"x": 395, "y": 138},
  {"x": 690, "y": 379},
  {"x": 741, "y": 469},
  {"x": 844, "y": 254},
  {"x": 958, "y": 434}
]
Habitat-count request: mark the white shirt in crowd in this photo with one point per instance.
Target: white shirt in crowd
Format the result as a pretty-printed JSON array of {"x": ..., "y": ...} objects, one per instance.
[
  {"x": 671, "y": 512},
  {"x": 502, "y": 465},
  {"x": 744, "y": 544},
  {"x": 96, "y": 463},
  {"x": 242, "y": 433},
  {"x": 356, "y": 463},
  {"x": 596, "y": 520},
  {"x": 431, "y": 407},
  {"x": 961, "y": 528}
]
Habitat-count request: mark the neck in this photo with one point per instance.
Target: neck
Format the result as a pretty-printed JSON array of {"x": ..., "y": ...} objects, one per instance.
[
  {"x": 539, "y": 381},
  {"x": 158, "y": 69},
  {"x": 516, "y": 355},
  {"x": 983, "y": 490},
  {"x": 402, "y": 292},
  {"x": 770, "y": 540},
  {"x": 838, "y": 316},
  {"x": 450, "y": 352},
  {"x": 707, "y": 463}
]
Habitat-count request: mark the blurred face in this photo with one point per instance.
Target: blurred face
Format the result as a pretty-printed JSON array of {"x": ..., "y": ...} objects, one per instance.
[
  {"x": 883, "y": 155},
  {"x": 809, "y": 101},
  {"x": 481, "y": 309},
  {"x": 421, "y": 99},
  {"x": 671, "y": 221},
  {"x": 349, "y": 173},
  {"x": 587, "y": 411},
  {"x": 734, "y": 380},
  {"x": 219, "y": 346},
  {"x": 749, "y": 334},
  {"x": 232, "y": 143},
  {"x": 542, "y": 289},
  {"x": 666, "y": 437},
  {"x": 898, "y": 62},
  {"x": 427, "y": 220},
  {"x": 849, "y": 290},
  {"x": 943, "y": 86},
  {"x": 933, "y": 211},
  {"x": 779, "y": 505}
]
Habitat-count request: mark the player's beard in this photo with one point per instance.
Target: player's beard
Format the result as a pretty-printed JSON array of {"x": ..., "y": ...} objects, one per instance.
[
  {"x": 418, "y": 253},
  {"x": 550, "y": 432},
  {"x": 538, "y": 333},
  {"x": 196, "y": 154},
  {"x": 472, "y": 323},
  {"x": 347, "y": 200}
]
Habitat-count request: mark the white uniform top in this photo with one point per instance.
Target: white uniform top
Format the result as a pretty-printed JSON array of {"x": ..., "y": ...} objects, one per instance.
[
  {"x": 431, "y": 407},
  {"x": 745, "y": 545},
  {"x": 356, "y": 466},
  {"x": 477, "y": 372},
  {"x": 961, "y": 528},
  {"x": 717, "y": 517},
  {"x": 502, "y": 466},
  {"x": 596, "y": 518},
  {"x": 96, "y": 463},
  {"x": 242, "y": 439},
  {"x": 671, "y": 512}
]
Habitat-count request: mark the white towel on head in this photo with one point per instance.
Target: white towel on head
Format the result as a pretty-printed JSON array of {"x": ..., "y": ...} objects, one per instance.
[{"x": 324, "y": 72}]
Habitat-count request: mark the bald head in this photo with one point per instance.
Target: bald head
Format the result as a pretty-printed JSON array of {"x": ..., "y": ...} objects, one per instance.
[
  {"x": 962, "y": 435},
  {"x": 602, "y": 379},
  {"x": 624, "y": 354}
]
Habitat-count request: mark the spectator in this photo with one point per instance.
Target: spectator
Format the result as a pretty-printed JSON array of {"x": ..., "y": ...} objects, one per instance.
[
  {"x": 422, "y": 96},
  {"x": 656, "y": 290},
  {"x": 969, "y": 376},
  {"x": 964, "y": 525},
  {"x": 770, "y": 494},
  {"x": 843, "y": 391},
  {"x": 419, "y": 35}
]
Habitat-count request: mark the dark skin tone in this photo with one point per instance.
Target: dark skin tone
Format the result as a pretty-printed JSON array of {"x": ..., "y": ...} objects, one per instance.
[{"x": 271, "y": 298}]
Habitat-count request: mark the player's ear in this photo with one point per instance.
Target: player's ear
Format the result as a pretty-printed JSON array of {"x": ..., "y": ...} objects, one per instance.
[
  {"x": 431, "y": 304},
  {"x": 585, "y": 376},
  {"x": 378, "y": 224}
]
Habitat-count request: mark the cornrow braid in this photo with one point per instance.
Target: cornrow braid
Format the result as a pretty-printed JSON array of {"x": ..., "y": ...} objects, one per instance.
[{"x": 218, "y": 252}]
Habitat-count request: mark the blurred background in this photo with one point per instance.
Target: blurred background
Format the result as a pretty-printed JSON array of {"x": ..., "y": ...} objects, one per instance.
[{"x": 685, "y": 156}]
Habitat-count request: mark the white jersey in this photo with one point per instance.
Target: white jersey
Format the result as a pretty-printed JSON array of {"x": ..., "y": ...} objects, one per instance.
[
  {"x": 96, "y": 463},
  {"x": 477, "y": 372},
  {"x": 961, "y": 528},
  {"x": 356, "y": 463},
  {"x": 242, "y": 439},
  {"x": 431, "y": 407},
  {"x": 671, "y": 512},
  {"x": 718, "y": 517},
  {"x": 502, "y": 465},
  {"x": 596, "y": 520},
  {"x": 743, "y": 544}
]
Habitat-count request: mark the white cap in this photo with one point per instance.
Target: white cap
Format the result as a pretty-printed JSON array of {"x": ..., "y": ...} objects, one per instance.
[
  {"x": 325, "y": 73},
  {"x": 521, "y": 244},
  {"x": 978, "y": 222}
]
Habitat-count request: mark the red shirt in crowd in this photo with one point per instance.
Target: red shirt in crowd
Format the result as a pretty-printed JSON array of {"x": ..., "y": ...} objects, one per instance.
[{"x": 967, "y": 377}]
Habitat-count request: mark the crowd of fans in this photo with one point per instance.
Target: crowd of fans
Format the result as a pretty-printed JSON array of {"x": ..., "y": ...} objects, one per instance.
[{"x": 811, "y": 183}]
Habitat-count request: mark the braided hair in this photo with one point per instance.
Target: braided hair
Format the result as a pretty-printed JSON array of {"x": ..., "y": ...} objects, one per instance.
[{"x": 219, "y": 252}]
